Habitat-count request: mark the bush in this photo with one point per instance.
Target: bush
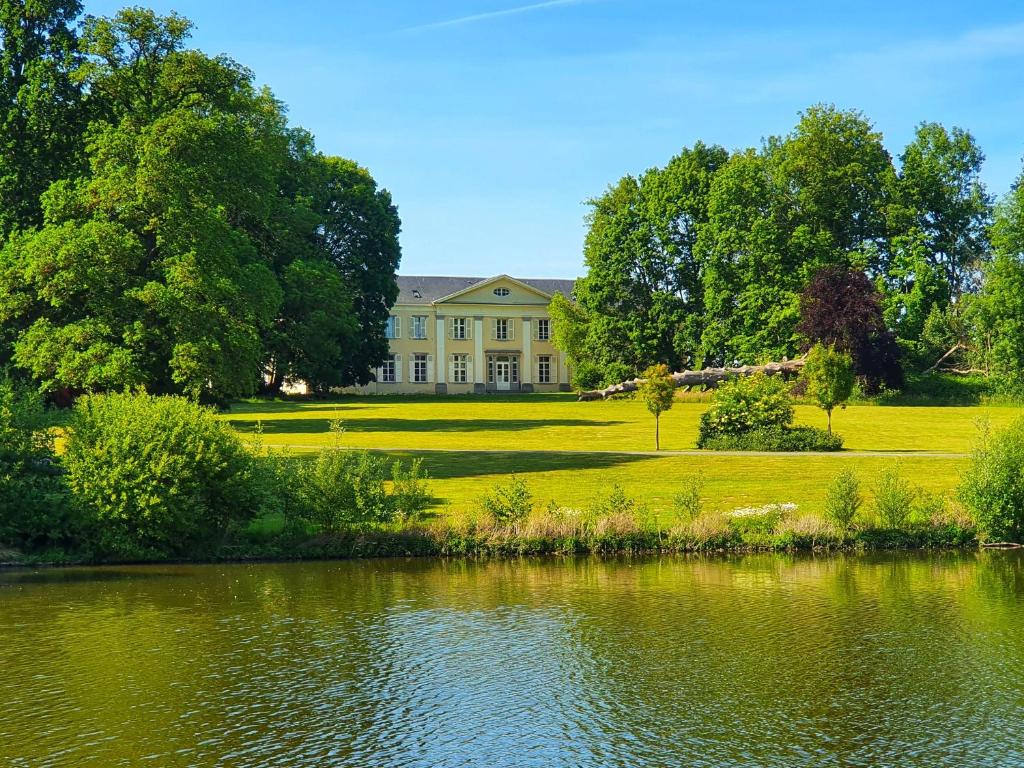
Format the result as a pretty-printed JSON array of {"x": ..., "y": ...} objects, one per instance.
[
  {"x": 746, "y": 404},
  {"x": 341, "y": 487},
  {"x": 993, "y": 485},
  {"x": 156, "y": 476},
  {"x": 615, "y": 502},
  {"x": 509, "y": 502},
  {"x": 689, "y": 501},
  {"x": 410, "y": 493},
  {"x": 788, "y": 439},
  {"x": 894, "y": 498},
  {"x": 33, "y": 500},
  {"x": 843, "y": 499}
]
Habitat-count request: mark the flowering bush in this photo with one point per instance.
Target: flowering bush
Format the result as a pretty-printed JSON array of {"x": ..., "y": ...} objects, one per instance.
[{"x": 746, "y": 404}]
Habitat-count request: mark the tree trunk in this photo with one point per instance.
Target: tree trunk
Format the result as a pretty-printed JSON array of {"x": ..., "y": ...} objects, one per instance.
[
  {"x": 708, "y": 377},
  {"x": 829, "y": 412},
  {"x": 657, "y": 437}
]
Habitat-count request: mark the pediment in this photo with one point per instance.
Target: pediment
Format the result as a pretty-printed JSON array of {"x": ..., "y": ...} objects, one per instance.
[{"x": 501, "y": 289}]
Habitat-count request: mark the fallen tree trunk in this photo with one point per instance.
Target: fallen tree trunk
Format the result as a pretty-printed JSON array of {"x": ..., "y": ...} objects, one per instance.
[
  {"x": 955, "y": 348},
  {"x": 708, "y": 377}
]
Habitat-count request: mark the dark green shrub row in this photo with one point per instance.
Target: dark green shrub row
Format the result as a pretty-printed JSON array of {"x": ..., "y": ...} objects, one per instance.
[{"x": 774, "y": 439}]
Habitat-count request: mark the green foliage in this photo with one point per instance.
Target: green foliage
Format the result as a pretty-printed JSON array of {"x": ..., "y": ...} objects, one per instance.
[
  {"x": 658, "y": 392},
  {"x": 410, "y": 492},
  {"x": 203, "y": 244},
  {"x": 943, "y": 201},
  {"x": 745, "y": 404},
  {"x": 41, "y": 107},
  {"x": 33, "y": 502},
  {"x": 689, "y": 502},
  {"x": 776, "y": 439},
  {"x": 615, "y": 502},
  {"x": 992, "y": 488},
  {"x": 641, "y": 301},
  {"x": 156, "y": 476},
  {"x": 509, "y": 502},
  {"x": 829, "y": 376},
  {"x": 341, "y": 487},
  {"x": 843, "y": 499},
  {"x": 894, "y": 498}
]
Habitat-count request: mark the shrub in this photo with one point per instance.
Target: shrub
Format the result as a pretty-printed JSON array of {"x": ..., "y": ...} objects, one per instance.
[
  {"x": 746, "y": 404},
  {"x": 894, "y": 498},
  {"x": 33, "y": 501},
  {"x": 993, "y": 486},
  {"x": 843, "y": 499},
  {"x": 788, "y": 439},
  {"x": 509, "y": 502},
  {"x": 410, "y": 493},
  {"x": 156, "y": 476},
  {"x": 689, "y": 501},
  {"x": 616, "y": 502},
  {"x": 340, "y": 487}
]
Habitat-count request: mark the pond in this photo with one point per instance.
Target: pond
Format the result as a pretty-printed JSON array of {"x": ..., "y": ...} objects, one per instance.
[{"x": 764, "y": 660}]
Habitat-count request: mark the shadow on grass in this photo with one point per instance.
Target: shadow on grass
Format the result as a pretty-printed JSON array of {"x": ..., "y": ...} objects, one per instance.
[
  {"x": 309, "y": 426},
  {"x": 362, "y": 402},
  {"x": 448, "y": 465}
]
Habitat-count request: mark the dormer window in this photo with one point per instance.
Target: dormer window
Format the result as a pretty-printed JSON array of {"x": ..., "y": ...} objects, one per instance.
[
  {"x": 416, "y": 294},
  {"x": 502, "y": 291}
]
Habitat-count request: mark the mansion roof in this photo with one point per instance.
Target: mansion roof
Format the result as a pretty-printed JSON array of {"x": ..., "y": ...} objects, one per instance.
[{"x": 427, "y": 289}]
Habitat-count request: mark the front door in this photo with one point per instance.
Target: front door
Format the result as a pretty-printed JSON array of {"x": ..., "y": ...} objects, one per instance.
[{"x": 502, "y": 374}]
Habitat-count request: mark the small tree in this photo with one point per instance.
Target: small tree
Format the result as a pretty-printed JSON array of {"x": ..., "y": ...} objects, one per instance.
[
  {"x": 829, "y": 375},
  {"x": 657, "y": 392}
]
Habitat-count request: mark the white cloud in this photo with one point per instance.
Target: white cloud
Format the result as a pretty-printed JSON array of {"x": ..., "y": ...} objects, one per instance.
[{"x": 472, "y": 18}]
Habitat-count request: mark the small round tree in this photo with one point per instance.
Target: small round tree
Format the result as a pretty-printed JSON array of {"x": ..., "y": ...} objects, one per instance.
[
  {"x": 657, "y": 392},
  {"x": 829, "y": 375}
]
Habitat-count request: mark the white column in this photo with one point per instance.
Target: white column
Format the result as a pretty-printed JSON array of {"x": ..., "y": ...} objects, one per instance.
[
  {"x": 478, "y": 351},
  {"x": 526, "y": 366},
  {"x": 440, "y": 361}
]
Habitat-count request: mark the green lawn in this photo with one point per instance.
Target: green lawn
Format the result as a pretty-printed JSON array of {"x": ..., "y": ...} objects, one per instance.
[{"x": 570, "y": 451}]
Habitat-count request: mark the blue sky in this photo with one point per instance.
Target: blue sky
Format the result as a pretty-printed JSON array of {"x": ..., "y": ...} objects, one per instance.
[{"x": 493, "y": 121}]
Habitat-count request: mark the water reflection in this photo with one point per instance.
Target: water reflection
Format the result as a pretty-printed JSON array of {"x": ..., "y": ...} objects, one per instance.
[{"x": 759, "y": 660}]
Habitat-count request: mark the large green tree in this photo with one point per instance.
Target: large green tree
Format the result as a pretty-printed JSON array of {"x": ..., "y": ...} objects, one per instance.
[
  {"x": 40, "y": 104},
  {"x": 145, "y": 270},
  {"x": 643, "y": 294},
  {"x": 205, "y": 245},
  {"x": 1001, "y": 304},
  {"x": 357, "y": 233}
]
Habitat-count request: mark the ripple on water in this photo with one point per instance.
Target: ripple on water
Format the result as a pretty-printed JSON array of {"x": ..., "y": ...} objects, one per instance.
[{"x": 755, "y": 661}]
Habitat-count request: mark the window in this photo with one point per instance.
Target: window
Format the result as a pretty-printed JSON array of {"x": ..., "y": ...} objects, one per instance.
[
  {"x": 393, "y": 328},
  {"x": 543, "y": 329},
  {"x": 502, "y": 329},
  {"x": 388, "y": 370},
  {"x": 419, "y": 327},
  {"x": 502, "y": 291},
  {"x": 544, "y": 369},
  {"x": 460, "y": 328},
  {"x": 460, "y": 369},
  {"x": 419, "y": 369}
]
